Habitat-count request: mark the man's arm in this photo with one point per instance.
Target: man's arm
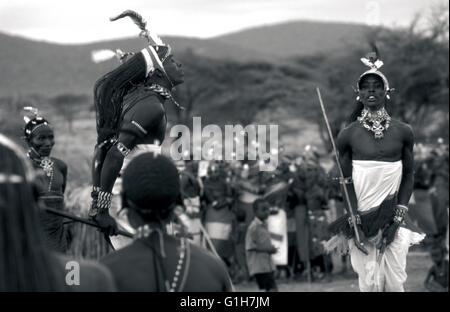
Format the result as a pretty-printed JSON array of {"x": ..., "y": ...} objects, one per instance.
[
  {"x": 345, "y": 159},
  {"x": 107, "y": 175},
  {"x": 64, "y": 173},
  {"x": 406, "y": 186},
  {"x": 407, "y": 183},
  {"x": 114, "y": 161}
]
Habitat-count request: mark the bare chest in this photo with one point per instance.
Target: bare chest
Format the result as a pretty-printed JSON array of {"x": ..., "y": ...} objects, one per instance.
[{"x": 366, "y": 147}]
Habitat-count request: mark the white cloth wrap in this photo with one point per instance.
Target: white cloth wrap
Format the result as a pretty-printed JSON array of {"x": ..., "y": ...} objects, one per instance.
[
  {"x": 374, "y": 181},
  {"x": 218, "y": 230}
]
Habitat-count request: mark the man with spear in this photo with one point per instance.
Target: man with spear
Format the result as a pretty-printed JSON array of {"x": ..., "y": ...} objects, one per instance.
[{"x": 376, "y": 167}]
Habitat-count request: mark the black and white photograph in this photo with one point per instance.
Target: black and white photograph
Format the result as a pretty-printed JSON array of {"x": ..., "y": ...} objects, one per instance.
[{"x": 238, "y": 147}]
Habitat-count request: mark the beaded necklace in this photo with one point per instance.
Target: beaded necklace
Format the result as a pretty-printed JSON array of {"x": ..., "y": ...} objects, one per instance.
[
  {"x": 373, "y": 121},
  {"x": 163, "y": 92},
  {"x": 47, "y": 166},
  {"x": 145, "y": 231}
]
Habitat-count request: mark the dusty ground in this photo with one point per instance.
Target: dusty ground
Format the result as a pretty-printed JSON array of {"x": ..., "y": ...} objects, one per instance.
[{"x": 418, "y": 264}]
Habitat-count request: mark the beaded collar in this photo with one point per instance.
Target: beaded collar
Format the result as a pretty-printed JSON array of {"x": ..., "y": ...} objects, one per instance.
[{"x": 373, "y": 121}]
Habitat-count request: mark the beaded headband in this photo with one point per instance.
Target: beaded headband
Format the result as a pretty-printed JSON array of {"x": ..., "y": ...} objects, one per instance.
[{"x": 33, "y": 123}]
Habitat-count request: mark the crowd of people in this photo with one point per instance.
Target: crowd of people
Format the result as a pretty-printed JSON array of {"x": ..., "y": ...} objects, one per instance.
[{"x": 303, "y": 195}]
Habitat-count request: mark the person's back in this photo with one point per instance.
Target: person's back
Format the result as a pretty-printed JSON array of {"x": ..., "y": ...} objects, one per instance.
[{"x": 134, "y": 268}]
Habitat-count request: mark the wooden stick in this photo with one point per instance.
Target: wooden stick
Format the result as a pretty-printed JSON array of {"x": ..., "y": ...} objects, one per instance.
[
  {"x": 341, "y": 173},
  {"x": 82, "y": 220}
]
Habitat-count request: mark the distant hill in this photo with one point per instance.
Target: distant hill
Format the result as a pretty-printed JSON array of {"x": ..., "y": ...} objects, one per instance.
[
  {"x": 29, "y": 66},
  {"x": 297, "y": 38}
]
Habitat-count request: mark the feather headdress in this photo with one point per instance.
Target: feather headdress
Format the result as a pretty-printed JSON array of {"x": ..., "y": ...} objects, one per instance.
[
  {"x": 98, "y": 56},
  {"x": 372, "y": 61}
]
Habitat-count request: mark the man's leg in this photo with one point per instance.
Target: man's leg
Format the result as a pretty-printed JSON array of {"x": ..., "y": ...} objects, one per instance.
[
  {"x": 364, "y": 266},
  {"x": 394, "y": 262}
]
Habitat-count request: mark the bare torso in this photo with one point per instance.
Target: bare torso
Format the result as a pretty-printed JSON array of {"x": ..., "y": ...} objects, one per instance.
[
  {"x": 148, "y": 111},
  {"x": 364, "y": 146}
]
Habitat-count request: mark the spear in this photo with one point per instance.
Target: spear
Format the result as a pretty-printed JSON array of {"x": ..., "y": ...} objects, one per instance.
[
  {"x": 81, "y": 220},
  {"x": 341, "y": 173}
]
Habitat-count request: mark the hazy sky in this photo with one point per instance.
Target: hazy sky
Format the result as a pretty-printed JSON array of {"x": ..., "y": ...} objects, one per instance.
[{"x": 85, "y": 21}]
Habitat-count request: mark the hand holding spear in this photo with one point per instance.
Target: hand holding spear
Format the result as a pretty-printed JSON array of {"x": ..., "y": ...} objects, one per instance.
[{"x": 358, "y": 242}]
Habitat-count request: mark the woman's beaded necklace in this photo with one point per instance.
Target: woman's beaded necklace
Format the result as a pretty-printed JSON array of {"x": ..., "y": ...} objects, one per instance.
[{"x": 47, "y": 166}]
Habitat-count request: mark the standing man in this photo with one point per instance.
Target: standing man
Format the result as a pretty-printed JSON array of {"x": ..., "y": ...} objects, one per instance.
[
  {"x": 130, "y": 113},
  {"x": 376, "y": 155}
]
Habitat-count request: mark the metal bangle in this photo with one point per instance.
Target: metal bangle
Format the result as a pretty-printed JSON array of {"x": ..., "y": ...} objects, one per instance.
[{"x": 125, "y": 151}]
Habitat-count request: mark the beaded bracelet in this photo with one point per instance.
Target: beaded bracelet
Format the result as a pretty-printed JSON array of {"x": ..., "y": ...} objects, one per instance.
[
  {"x": 358, "y": 220},
  {"x": 102, "y": 203},
  {"x": 400, "y": 211},
  {"x": 104, "y": 200}
]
